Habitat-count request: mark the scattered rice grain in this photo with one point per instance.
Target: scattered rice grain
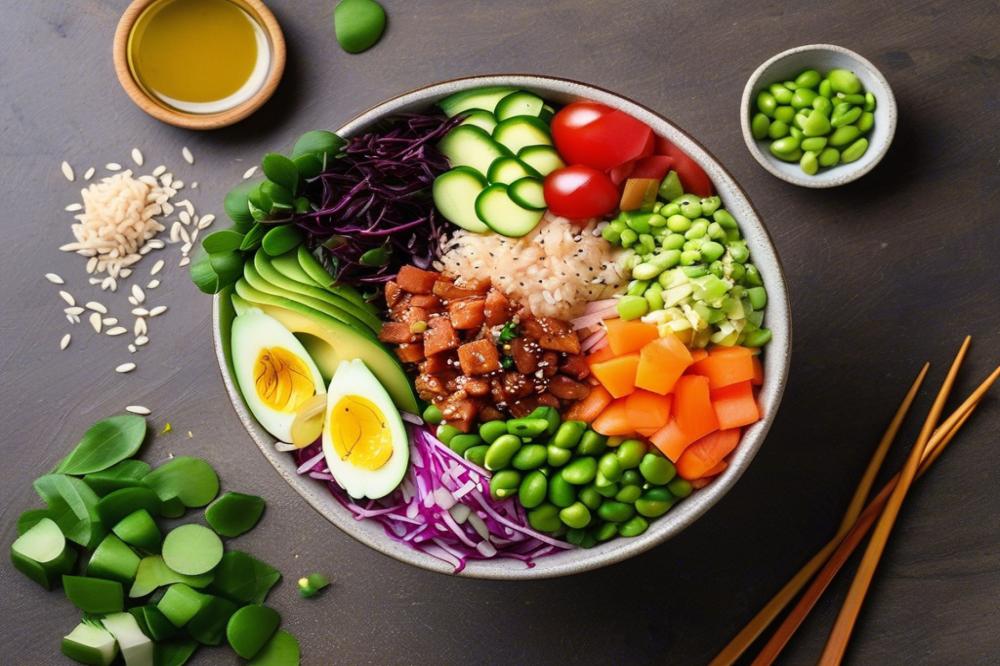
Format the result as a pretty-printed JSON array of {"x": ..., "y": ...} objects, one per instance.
[
  {"x": 73, "y": 207},
  {"x": 67, "y": 171},
  {"x": 75, "y": 310},
  {"x": 206, "y": 221},
  {"x": 73, "y": 319},
  {"x": 125, "y": 272},
  {"x": 138, "y": 409},
  {"x": 153, "y": 284},
  {"x": 132, "y": 349},
  {"x": 109, "y": 321},
  {"x": 54, "y": 278},
  {"x": 194, "y": 185},
  {"x": 186, "y": 154},
  {"x": 140, "y": 312},
  {"x": 125, "y": 367},
  {"x": 89, "y": 173},
  {"x": 96, "y": 307},
  {"x": 138, "y": 293},
  {"x": 156, "y": 244},
  {"x": 95, "y": 321},
  {"x": 157, "y": 267},
  {"x": 65, "y": 341},
  {"x": 248, "y": 174},
  {"x": 158, "y": 310},
  {"x": 117, "y": 330},
  {"x": 184, "y": 262},
  {"x": 141, "y": 340},
  {"x": 133, "y": 300},
  {"x": 113, "y": 166},
  {"x": 158, "y": 171},
  {"x": 137, "y": 156},
  {"x": 140, "y": 327},
  {"x": 68, "y": 297}
]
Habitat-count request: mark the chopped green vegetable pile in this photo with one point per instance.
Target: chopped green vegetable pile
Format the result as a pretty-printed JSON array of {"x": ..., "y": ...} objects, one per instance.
[{"x": 153, "y": 595}]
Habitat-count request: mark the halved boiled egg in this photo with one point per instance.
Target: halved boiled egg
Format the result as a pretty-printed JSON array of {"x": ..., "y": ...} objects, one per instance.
[
  {"x": 275, "y": 373},
  {"x": 364, "y": 440}
]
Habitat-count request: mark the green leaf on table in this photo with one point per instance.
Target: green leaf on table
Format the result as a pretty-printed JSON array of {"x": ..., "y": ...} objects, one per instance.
[
  {"x": 192, "y": 480},
  {"x": 236, "y": 202},
  {"x": 107, "y": 442},
  {"x": 243, "y": 578},
  {"x": 281, "y": 170},
  {"x": 73, "y": 506},
  {"x": 126, "y": 474},
  {"x": 204, "y": 276},
  {"x": 224, "y": 240},
  {"x": 319, "y": 143}
]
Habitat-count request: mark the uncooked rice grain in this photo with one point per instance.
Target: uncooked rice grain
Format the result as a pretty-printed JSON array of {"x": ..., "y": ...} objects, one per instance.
[
  {"x": 137, "y": 156},
  {"x": 138, "y": 409},
  {"x": 109, "y": 321},
  {"x": 67, "y": 171},
  {"x": 65, "y": 341},
  {"x": 68, "y": 297},
  {"x": 132, "y": 349},
  {"x": 141, "y": 340},
  {"x": 95, "y": 321},
  {"x": 184, "y": 262},
  {"x": 157, "y": 267},
  {"x": 96, "y": 307},
  {"x": 158, "y": 171},
  {"x": 54, "y": 278},
  {"x": 158, "y": 310},
  {"x": 75, "y": 310},
  {"x": 140, "y": 327},
  {"x": 89, "y": 173},
  {"x": 117, "y": 330},
  {"x": 113, "y": 166},
  {"x": 138, "y": 293},
  {"x": 248, "y": 174},
  {"x": 125, "y": 367},
  {"x": 73, "y": 207},
  {"x": 140, "y": 312},
  {"x": 186, "y": 154},
  {"x": 153, "y": 284}
]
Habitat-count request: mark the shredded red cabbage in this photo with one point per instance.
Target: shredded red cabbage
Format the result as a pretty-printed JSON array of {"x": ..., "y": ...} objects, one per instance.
[
  {"x": 443, "y": 507},
  {"x": 378, "y": 195}
]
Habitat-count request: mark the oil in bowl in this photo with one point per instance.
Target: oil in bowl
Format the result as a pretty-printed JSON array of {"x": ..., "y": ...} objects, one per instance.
[{"x": 199, "y": 56}]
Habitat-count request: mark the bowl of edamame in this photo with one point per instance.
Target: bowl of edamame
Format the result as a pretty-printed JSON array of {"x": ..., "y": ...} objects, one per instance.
[{"x": 818, "y": 115}]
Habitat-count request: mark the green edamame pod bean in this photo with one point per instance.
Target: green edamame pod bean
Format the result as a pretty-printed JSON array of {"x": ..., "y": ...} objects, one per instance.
[
  {"x": 758, "y": 338},
  {"x": 795, "y": 132},
  {"x": 854, "y": 151},
  {"x": 778, "y": 130},
  {"x": 634, "y": 527},
  {"x": 844, "y": 136},
  {"x": 809, "y": 162},
  {"x": 753, "y": 277},
  {"x": 759, "y": 125},
  {"x": 657, "y": 221},
  {"x": 717, "y": 269},
  {"x": 647, "y": 243},
  {"x": 527, "y": 427},
  {"x": 789, "y": 157},
  {"x": 739, "y": 252},
  {"x": 865, "y": 122},
  {"x": 433, "y": 415},
  {"x": 673, "y": 241},
  {"x": 646, "y": 271},
  {"x": 592, "y": 444},
  {"x": 631, "y": 477},
  {"x": 802, "y": 98},
  {"x": 815, "y": 124},
  {"x": 529, "y": 457},
  {"x": 680, "y": 488},
  {"x": 791, "y": 85},
  {"x": 632, "y": 307},
  {"x": 628, "y": 238},
  {"x": 637, "y": 287},
  {"x": 711, "y": 251},
  {"x": 782, "y": 94},
  {"x": 533, "y": 489},
  {"x": 490, "y": 430},
  {"x": 869, "y": 101},
  {"x": 462, "y": 443},
  {"x": 690, "y": 206},
  {"x": 825, "y": 89},
  {"x": 814, "y": 143},
  {"x": 607, "y": 491},
  {"x": 823, "y": 105},
  {"x": 501, "y": 451},
  {"x": 725, "y": 219},
  {"x": 667, "y": 259},
  {"x": 671, "y": 208},
  {"x": 615, "y": 512},
  {"x": 505, "y": 483},
  {"x": 551, "y": 416},
  {"x": 690, "y": 257},
  {"x": 784, "y": 113},
  {"x": 654, "y": 295},
  {"x": 581, "y": 471},
  {"x": 590, "y": 497},
  {"x": 809, "y": 78},
  {"x": 757, "y": 297},
  {"x": 561, "y": 492},
  {"x": 477, "y": 454},
  {"x": 628, "y": 494},
  {"x": 544, "y": 518},
  {"x": 845, "y": 118},
  {"x": 569, "y": 433},
  {"x": 610, "y": 466},
  {"x": 736, "y": 271},
  {"x": 656, "y": 469},
  {"x": 654, "y": 503},
  {"x": 445, "y": 432},
  {"x": 606, "y": 531},
  {"x": 557, "y": 457},
  {"x": 844, "y": 81},
  {"x": 710, "y": 204},
  {"x": 715, "y": 231},
  {"x": 678, "y": 223},
  {"x": 829, "y": 157},
  {"x": 766, "y": 103},
  {"x": 638, "y": 223},
  {"x": 630, "y": 453},
  {"x": 853, "y": 99},
  {"x": 610, "y": 234},
  {"x": 699, "y": 228},
  {"x": 785, "y": 146},
  {"x": 576, "y": 515}
]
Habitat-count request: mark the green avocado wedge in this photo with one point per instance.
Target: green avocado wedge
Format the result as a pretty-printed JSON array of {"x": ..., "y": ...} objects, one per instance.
[
  {"x": 311, "y": 266},
  {"x": 330, "y": 341}
]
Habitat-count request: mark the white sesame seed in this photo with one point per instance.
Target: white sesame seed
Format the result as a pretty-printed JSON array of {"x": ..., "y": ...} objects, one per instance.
[
  {"x": 66, "y": 296},
  {"x": 125, "y": 272},
  {"x": 138, "y": 409},
  {"x": 67, "y": 171},
  {"x": 92, "y": 264},
  {"x": 94, "y": 280},
  {"x": 65, "y": 341},
  {"x": 88, "y": 174},
  {"x": 137, "y": 156},
  {"x": 140, "y": 312},
  {"x": 250, "y": 172},
  {"x": 125, "y": 367},
  {"x": 95, "y": 321},
  {"x": 54, "y": 279},
  {"x": 206, "y": 221},
  {"x": 73, "y": 207},
  {"x": 175, "y": 232},
  {"x": 186, "y": 247},
  {"x": 117, "y": 330},
  {"x": 132, "y": 349},
  {"x": 166, "y": 179},
  {"x": 183, "y": 233},
  {"x": 158, "y": 310},
  {"x": 109, "y": 321},
  {"x": 96, "y": 307},
  {"x": 157, "y": 267},
  {"x": 141, "y": 340},
  {"x": 186, "y": 154},
  {"x": 184, "y": 262},
  {"x": 75, "y": 310},
  {"x": 113, "y": 166},
  {"x": 153, "y": 284},
  {"x": 194, "y": 185}
]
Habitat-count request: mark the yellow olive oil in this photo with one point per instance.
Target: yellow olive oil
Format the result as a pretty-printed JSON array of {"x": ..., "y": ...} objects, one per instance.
[{"x": 199, "y": 56}]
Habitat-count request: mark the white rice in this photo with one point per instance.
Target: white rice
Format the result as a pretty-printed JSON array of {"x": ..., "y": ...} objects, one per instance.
[
  {"x": 555, "y": 270},
  {"x": 186, "y": 154}
]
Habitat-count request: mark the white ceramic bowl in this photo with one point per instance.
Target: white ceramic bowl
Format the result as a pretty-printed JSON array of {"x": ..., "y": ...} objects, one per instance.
[
  {"x": 776, "y": 356},
  {"x": 823, "y": 57}
]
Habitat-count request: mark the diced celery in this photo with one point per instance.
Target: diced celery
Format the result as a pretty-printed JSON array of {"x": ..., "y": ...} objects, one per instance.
[
  {"x": 677, "y": 294},
  {"x": 136, "y": 647},
  {"x": 709, "y": 288},
  {"x": 90, "y": 644}
]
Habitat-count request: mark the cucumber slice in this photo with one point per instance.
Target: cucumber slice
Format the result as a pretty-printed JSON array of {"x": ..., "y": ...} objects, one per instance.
[
  {"x": 543, "y": 159},
  {"x": 455, "y": 193},
  {"x": 113, "y": 560},
  {"x": 192, "y": 549},
  {"x": 479, "y": 98},
  {"x": 153, "y": 573},
  {"x": 508, "y": 169},
  {"x": 546, "y": 115},
  {"x": 495, "y": 207},
  {"x": 136, "y": 647},
  {"x": 114, "y": 506},
  {"x": 181, "y": 603},
  {"x": 471, "y": 146},
  {"x": 527, "y": 193},
  {"x": 90, "y": 644},
  {"x": 520, "y": 131},
  {"x": 250, "y": 628},
  {"x": 480, "y": 118},
  {"x": 239, "y": 305},
  {"x": 519, "y": 103},
  {"x": 153, "y": 623},
  {"x": 42, "y": 554},
  {"x": 140, "y": 530}
]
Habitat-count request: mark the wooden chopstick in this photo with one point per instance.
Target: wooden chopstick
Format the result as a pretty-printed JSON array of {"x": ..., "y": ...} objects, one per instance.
[
  {"x": 840, "y": 635},
  {"x": 743, "y": 640},
  {"x": 942, "y": 436}
]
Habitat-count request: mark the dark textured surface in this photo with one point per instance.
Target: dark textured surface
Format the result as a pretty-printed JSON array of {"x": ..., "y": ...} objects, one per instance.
[{"x": 884, "y": 274}]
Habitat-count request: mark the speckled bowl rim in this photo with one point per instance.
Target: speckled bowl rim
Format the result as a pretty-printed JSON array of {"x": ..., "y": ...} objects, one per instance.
[
  {"x": 776, "y": 358},
  {"x": 847, "y": 175}
]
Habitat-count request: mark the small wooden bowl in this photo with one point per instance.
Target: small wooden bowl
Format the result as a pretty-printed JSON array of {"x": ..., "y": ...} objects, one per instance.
[{"x": 199, "y": 121}]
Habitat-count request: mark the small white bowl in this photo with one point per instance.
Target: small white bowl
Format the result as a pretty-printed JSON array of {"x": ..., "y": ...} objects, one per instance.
[{"x": 822, "y": 57}]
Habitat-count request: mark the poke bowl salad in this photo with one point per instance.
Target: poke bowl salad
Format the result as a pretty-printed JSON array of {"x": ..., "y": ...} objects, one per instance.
[{"x": 495, "y": 326}]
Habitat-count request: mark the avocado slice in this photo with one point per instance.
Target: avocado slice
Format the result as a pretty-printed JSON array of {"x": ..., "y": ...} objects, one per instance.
[
  {"x": 239, "y": 305},
  {"x": 266, "y": 269},
  {"x": 330, "y": 341},
  {"x": 288, "y": 265},
  {"x": 255, "y": 280}
]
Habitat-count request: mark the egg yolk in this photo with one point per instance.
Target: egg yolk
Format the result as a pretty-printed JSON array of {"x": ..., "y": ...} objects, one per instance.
[
  {"x": 360, "y": 432},
  {"x": 282, "y": 379}
]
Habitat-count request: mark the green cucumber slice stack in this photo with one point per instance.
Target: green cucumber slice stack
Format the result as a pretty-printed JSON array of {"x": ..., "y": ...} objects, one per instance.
[{"x": 499, "y": 155}]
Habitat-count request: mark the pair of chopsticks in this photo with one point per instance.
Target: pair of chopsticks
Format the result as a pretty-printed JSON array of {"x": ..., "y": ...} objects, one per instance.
[{"x": 858, "y": 520}]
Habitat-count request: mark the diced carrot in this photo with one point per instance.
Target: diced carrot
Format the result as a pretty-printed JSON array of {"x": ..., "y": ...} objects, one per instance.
[
  {"x": 466, "y": 314},
  {"x": 670, "y": 440},
  {"x": 625, "y": 337},
  {"x": 589, "y": 408},
  {"x": 697, "y": 355},
  {"x": 698, "y": 484},
  {"x": 735, "y": 405},
  {"x": 703, "y": 455},
  {"x": 647, "y": 432},
  {"x": 415, "y": 280},
  {"x": 648, "y": 411},
  {"x": 661, "y": 362},
  {"x": 725, "y": 366},
  {"x": 613, "y": 420},
  {"x": 717, "y": 470},
  {"x": 692, "y": 408},
  {"x": 602, "y": 354},
  {"x": 758, "y": 370},
  {"x": 617, "y": 374},
  {"x": 410, "y": 352}
]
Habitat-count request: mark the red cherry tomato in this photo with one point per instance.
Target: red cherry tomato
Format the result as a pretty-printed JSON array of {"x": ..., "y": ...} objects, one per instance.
[
  {"x": 622, "y": 172},
  {"x": 693, "y": 177},
  {"x": 598, "y": 136},
  {"x": 579, "y": 192},
  {"x": 654, "y": 166}
]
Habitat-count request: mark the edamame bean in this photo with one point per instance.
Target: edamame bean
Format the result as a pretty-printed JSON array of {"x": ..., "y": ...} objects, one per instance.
[
  {"x": 530, "y": 456},
  {"x": 809, "y": 78},
  {"x": 647, "y": 243},
  {"x": 576, "y": 536},
  {"x": 634, "y": 527},
  {"x": 433, "y": 415},
  {"x": 462, "y": 443},
  {"x": 791, "y": 85},
  {"x": 829, "y": 157},
  {"x": 717, "y": 269},
  {"x": 695, "y": 271},
  {"x": 789, "y": 157},
  {"x": 592, "y": 444},
  {"x": 753, "y": 277},
  {"x": 715, "y": 231},
  {"x": 815, "y": 124},
  {"x": 673, "y": 241},
  {"x": 739, "y": 252},
  {"x": 865, "y": 122},
  {"x": 638, "y": 223},
  {"x": 607, "y": 491},
  {"x": 490, "y": 430},
  {"x": 561, "y": 492},
  {"x": 610, "y": 234},
  {"x": 678, "y": 223},
  {"x": 680, "y": 488},
  {"x": 814, "y": 143},
  {"x": 778, "y": 129},
  {"x": 569, "y": 433},
  {"x": 654, "y": 296},
  {"x": 656, "y": 469},
  {"x": 854, "y": 151},
  {"x": 631, "y": 477},
  {"x": 844, "y": 81},
  {"x": 725, "y": 219},
  {"x": 615, "y": 512},
  {"x": 606, "y": 531},
  {"x": 736, "y": 272},
  {"x": 844, "y": 136},
  {"x": 633, "y": 307},
  {"x": 646, "y": 271},
  {"x": 628, "y": 238},
  {"x": 766, "y": 103},
  {"x": 637, "y": 287},
  {"x": 527, "y": 427},
  {"x": 710, "y": 204},
  {"x": 795, "y": 132},
  {"x": 802, "y": 98},
  {"x": 551, "y": 416},
  {"x": 869, "y": 101},
  {"x": 628, "y": 494},
  {"x": 544, "y": 518},
  {"x": 758, "y": 338},
  {"x": 784, "y": 113},
  {"x": 851, "y": 99},
  {"x": 782, "y": 94},
  {"x": 657, "y": 221},
  {"x": 581, "y": 471},
  {"x": 757, "y": 297},
  {"x": 654, "y": 502},
  {"x": 557, "y": 457},
  {"x": 445, "y": 432},
  {"x": 690, "y": 257},
  {"x": 610, "y": 467},
  {"x": 501, "y": 451},
  {"x": 575, "y": 515},
  {"x": 809, "y": 162},
  {"x": 711, "y": 251},
  {"x": 630, "y": 453},
  {"x": 477, "y": 454},
  {"x": 824, "y": 88},
  {"x": 823, "y": 105},
  {"x": 699, "y": 228},
  {"x": 785, "y": 146},
  {"x": 845, "y": 118},
  {"x": 667, "y": 259},
  {"x": 505, "y": 483},
  {"x": 690, "y": 206},
  {"x": 670, "y": 208},
  {"x": 532, "y": 490},
  {"x": 590, "y": 497}
]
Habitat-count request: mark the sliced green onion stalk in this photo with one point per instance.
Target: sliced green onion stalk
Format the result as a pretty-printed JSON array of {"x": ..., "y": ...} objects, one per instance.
[
  {"x": 114, "y": 560},
  {"x": 192, "y": 549},
  {"x": 310, "y": 586},
  {"x": 94, "y": 595},
  {"x": 250, "y": 628},
  {"x": 138, "y": 529},
  {"x": 281, "y": 650},
  {"x": 136, "y": 648},
  {"x": 42, "y": 554},
  {"x": 153, "y": 573},
  {"x": 90, "y": 643},
  {"x": 180, "y": 603}
]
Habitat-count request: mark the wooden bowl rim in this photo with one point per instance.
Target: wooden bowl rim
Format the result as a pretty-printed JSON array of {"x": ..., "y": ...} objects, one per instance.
[{"x": 198, "y": 121}]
